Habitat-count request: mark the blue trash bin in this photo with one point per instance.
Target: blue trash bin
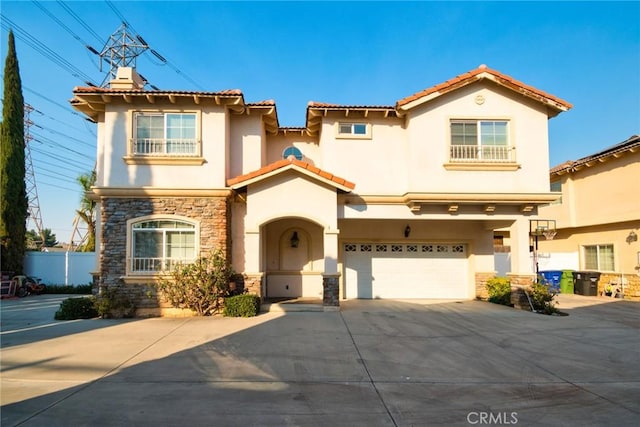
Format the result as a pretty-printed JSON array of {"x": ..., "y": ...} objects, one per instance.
[{"x": 552, "y": 278}]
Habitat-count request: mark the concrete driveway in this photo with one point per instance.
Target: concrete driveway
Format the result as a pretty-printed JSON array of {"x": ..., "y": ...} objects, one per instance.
[{"x": 374, "y": 363}]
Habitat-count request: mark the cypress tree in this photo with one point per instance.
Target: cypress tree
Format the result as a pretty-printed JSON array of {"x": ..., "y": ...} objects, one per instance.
[{"x": 14, "y": 204}]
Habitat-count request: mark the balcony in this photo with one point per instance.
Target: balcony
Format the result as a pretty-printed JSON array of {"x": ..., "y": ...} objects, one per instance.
[
  {"x": 156, "y": 265},
  {"x": 160, "y": 147},
  {"x": 482, "y": 154}
]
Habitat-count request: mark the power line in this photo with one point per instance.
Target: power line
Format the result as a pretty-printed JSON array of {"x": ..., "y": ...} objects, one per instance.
[
  {"x": 80, "y": 21},
  {"x": 56, "y": 186},
  {"x": 81, "y": 166},
  {"x": 45, "y": 51},
  {"x": 154, "y": 52},
  {"x": 44, "y": 139}
]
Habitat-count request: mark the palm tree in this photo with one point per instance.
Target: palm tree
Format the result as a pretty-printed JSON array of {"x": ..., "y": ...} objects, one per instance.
[{"x": 87, "y": 210}]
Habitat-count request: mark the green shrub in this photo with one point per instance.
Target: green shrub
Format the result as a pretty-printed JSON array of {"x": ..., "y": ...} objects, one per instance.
[
  {"x": 200, "y": 286},
  {"x": 245, "y": 305},
  {"x": 77, "y": 308},
  {"x": 499, "y": 289},
  {"x": 542, "y": 296},
  {"x": 68, "y": 289},
  {"x": 114, "y": 302}
]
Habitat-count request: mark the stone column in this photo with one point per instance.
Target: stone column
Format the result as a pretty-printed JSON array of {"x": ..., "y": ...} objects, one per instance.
[{"x": 331, "y": 292}]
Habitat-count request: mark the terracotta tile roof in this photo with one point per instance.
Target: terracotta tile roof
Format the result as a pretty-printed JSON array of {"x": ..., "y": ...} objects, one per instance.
[
  {"x": 265, "y": 103},
  {"x": 106, "y": 90},
  {"x": 322, "y": 105},
  {"x": 632, "y": 144},
  {"x": 484, "y": 72},
  {"x": 286, "y": 164}
]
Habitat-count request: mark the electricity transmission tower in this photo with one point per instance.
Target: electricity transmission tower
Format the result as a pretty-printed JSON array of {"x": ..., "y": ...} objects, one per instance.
[
  {"x": 30, "y": 179},
  {"x": 121, "y": 50}
]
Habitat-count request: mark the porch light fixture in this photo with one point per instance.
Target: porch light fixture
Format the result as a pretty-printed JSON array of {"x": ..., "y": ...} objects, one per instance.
[
  {"x": 537, "y": 228},
  {"x": 407, "y": 231},
  {"x": 632, "y": 237},
  {"x": 295, "y": 240}
]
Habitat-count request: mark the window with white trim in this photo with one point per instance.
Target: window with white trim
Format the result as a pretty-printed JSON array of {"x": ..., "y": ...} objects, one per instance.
[
  {"x": 599, "y": 257},
  {"x": 354, "y": 130},
  {"x": 481, "y": 141},
  {"x": 157, "y": 245},
  {"x": 556, "y": 187},
  {"x": 165, "y": 134}
]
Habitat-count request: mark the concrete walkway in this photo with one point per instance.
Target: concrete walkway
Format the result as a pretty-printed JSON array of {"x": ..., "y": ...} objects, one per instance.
[{"x": 374, "y": 363}]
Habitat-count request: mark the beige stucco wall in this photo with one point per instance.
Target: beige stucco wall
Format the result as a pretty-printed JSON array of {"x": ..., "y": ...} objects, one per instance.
[
  {"x": 114, "y": 138},
  {"x": 246, "y": 144},
  {"x": 308, "y": 145},
  {"x": 604, "y": 193},
  {"x": 429, "y": 135}
]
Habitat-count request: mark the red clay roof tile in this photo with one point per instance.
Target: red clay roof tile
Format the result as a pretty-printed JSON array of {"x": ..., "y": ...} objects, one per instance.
[{"x": 284, "y": 163}]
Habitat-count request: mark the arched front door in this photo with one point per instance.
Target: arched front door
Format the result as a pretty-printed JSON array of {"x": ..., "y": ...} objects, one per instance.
[{"x": 294, "y": 258}]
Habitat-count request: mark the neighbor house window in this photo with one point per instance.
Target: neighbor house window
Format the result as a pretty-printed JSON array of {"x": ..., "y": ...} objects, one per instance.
[
  {"x": 480, "y": 141},
  {"x": 157, "y": 245},
  {"x": 354, "y": 130},
  {"x": 598, "y": 257},
  {"x": 165, "y": 134},
  {"x": 556, "y": 187}
]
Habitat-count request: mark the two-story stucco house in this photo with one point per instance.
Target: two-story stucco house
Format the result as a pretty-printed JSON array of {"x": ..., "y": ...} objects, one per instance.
[
  {"x": 598, "y": 216},
  {"x": 396, "y": 201}
]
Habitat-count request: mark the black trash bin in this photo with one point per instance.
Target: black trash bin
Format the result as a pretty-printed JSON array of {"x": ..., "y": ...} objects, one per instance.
[{"x": 586, "y": 282}]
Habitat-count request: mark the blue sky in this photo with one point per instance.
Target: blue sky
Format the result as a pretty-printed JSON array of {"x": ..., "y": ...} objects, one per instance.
[{"x": 587, "y": 53}]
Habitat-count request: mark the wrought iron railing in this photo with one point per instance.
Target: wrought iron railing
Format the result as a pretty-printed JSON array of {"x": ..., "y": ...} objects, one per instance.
[
  {"x": 165, "y": 147},
  {"x": 156, "y": 265},
  {"x": 487, "y": 153}
]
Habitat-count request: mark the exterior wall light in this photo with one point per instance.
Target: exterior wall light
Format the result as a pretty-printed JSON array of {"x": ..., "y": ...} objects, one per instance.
[
  {"x": 632, "y": 237},
  {"x": 295, "y": 240},
  {"x": 407, "y": 231}
]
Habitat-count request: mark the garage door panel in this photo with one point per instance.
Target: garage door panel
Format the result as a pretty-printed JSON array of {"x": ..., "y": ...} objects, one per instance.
[{"x": 406, "y": 271}]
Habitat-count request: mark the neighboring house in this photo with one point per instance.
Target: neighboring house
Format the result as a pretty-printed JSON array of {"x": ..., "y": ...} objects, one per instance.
[
  {"x": 598, "y": 216},
  {"x": 395, "y": 201}
]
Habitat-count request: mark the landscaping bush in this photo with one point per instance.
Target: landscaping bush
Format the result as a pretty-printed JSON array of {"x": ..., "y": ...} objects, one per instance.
[
  {"x": 245, "y": 305},
  {"x": 542, "y": 295},
  {"x": 114, "y": 302},
  {"x": 77, "y": 308},
  {"x": 499, "y": 289},
  {"x": 68, "y": 289},
  {"x": 201, "y": 286}
]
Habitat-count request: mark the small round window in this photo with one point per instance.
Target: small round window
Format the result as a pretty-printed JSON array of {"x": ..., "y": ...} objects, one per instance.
[{"x": 292, "y": 151}]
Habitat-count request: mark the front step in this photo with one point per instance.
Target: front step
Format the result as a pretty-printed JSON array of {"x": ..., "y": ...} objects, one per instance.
[{"x": 281, "y": 307}]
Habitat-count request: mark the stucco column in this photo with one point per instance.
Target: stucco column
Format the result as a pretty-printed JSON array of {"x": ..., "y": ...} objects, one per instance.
[
  {"x": 252, "y": 251},
  {"x": 330, "y": 277},
  {"x": 331, "y": 251},
  {"x": 520, "y": 258}
]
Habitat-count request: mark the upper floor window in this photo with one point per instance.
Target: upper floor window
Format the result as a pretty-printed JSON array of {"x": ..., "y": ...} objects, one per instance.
[
  {"x": 481, "y": 141},
  {"x": 165, "y": 134},
  {"x": 354, "y": 130},
  {"x": 598, "y": 257},
  {"x": 157, "y": 245},
  {"x": 292, "y": 151}
]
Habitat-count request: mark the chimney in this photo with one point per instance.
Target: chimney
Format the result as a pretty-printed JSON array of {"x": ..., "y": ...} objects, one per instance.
[{"x": 127, "y": 78}]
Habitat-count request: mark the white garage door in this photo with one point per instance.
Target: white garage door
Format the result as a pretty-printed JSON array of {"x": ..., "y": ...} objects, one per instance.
[{"x": 406, "y": 270}]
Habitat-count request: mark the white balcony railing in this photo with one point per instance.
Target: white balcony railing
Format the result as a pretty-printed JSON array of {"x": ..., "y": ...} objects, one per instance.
[
  {"x": 484, "y": 154},
  {"x": 165, "y": 147},
  {"x": 156, "y": 265}
]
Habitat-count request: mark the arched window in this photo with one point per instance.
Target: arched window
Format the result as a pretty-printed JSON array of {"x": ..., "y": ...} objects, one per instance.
[
  {"x": 292, "y": 151},
  {"x": 159, "y": 244}
]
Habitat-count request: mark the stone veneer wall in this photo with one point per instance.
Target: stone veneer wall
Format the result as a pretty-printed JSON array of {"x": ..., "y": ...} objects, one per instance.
[
  {"x": 481, "y": 282},
  {"x": 631, "y": 286},
  {"x": 519, "y": 285},
  {"x": 215, "y": 223}
]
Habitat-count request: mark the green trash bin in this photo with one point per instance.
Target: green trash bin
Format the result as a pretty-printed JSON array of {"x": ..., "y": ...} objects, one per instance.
[{"x": 566, "y": 282}]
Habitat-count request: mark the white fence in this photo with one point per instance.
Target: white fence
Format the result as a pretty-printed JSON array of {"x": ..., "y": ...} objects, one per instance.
[{"x": 61, "y": 268}]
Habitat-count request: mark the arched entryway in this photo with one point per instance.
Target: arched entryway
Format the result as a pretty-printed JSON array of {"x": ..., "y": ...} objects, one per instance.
[{"x": 293, "y": 251}]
